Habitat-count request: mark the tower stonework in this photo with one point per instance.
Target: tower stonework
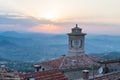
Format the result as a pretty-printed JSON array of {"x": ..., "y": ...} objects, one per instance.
[{"x": 76, "y": 42}]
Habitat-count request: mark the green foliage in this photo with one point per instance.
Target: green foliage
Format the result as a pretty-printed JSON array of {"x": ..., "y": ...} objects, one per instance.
[{"x": 17, "y": 65}]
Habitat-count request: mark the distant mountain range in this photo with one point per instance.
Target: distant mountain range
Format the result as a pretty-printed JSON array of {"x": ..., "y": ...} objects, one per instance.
[
  {"x": 108, "y": 55},
  {"x": 34, "y": 47},
  {"x": 18, "y": 20}
]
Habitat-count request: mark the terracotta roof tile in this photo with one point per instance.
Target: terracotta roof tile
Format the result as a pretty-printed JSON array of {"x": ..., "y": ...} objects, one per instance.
[
  {"x": 54, "y": 63},
  {"x": 82, "y": 61},
  {"x": 45, "y": 75}
]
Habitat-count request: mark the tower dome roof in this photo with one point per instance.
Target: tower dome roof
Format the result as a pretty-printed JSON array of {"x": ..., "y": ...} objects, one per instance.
[{"x": 76, "y": 29}]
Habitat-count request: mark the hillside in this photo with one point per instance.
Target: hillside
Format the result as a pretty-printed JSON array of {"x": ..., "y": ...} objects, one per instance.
[
  {"x": 35, "y": 47},
  {"x": 109, "y": 55},
  {"x": 17, "y": 65}
]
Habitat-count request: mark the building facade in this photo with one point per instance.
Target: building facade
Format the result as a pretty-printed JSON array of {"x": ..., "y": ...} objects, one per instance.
[{"x": 76, "y": 60}]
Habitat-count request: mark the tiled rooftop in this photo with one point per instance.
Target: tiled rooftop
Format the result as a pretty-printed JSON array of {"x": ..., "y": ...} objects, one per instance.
[
  {"x": 4, "y": 69},
  {"x": 53, "y": 63},
  {"x": 7, "y": 74},
  {"x": 82, "y": 61},
  {"x": 45, "y": 75}
]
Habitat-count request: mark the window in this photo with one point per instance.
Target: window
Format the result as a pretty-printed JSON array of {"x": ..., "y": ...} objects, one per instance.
[
  {"x": 72, "y": 43},
  {"x": 80, "y": 43}
]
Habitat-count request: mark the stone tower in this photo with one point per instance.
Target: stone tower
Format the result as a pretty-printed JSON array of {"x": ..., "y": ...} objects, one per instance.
[{"x": 76, "y": 42}]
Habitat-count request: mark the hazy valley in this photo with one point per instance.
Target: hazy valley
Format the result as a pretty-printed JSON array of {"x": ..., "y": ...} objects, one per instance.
[{"x": 19, "y": 48}]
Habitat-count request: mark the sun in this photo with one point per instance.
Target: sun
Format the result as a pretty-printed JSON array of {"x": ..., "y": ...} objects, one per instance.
[
  {"x": 52, "y": 13},
  {"x": 53, "y": 16},
  {"x": 49, "y": 16}
]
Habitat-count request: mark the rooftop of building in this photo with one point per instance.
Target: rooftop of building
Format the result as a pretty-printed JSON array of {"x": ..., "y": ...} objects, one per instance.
[
  {"x": 45, "y": 75},
  {"x": 117, "y": 60},
  {"x": 82, "y": 61},
  {"x": 4, "y": 69},
  {"x": 68, "y": 62},
  {"x": 7, "y": 74},
  {"x": 108, "y": 76}
]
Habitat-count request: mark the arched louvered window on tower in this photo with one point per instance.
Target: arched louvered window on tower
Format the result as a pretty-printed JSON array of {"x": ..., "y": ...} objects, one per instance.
[
  {"x": 72, "y": 43},
  {"x": 80, "y": 43}
]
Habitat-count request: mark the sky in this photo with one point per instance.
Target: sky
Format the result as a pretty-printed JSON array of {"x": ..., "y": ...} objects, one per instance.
[{"x": 59, "y": 16}]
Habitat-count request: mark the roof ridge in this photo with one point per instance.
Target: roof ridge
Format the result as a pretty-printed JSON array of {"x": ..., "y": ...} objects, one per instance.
[{"x": 62, "y": 62}]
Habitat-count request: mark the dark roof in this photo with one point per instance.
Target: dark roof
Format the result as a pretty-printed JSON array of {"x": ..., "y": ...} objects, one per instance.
[
  {"x": 110, "y": 61},
  {"x": 109, "y": 76},
  {"x": 76, "y": 27},
  {"x": 45, "y": 75},
  {"x": 76, "y": 31}
]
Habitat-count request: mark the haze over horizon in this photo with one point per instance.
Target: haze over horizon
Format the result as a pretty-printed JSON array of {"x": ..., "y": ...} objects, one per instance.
[{"x": 58, "y": 17}]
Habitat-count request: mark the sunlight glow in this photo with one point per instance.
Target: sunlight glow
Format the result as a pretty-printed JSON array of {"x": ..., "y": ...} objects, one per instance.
[
  {"x": 47, "y": 28},
  {"x": 50, "y": 16},
  {"x": 57, "y": 16}
]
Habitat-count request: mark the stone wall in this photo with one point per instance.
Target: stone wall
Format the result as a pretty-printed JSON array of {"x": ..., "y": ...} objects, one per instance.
[{"x": 72, "y": 75}]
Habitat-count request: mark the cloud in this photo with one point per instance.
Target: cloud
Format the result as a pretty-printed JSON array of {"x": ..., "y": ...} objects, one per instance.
[
  {"x": 17, "y": 22},
  {"x": 12, "y": 28},
  {"x": 47, "y": 28}
]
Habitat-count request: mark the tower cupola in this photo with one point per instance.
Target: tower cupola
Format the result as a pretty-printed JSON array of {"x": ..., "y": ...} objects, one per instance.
[{"x": 76, "y": 41}]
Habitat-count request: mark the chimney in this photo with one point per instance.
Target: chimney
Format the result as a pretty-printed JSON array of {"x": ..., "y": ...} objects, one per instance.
[
  {"x": 37, "y": 67},
  {"x": 85, "y": 74}
]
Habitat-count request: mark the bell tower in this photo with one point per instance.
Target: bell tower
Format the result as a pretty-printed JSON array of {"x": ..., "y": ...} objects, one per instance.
[{"x": 76, "y": 42}]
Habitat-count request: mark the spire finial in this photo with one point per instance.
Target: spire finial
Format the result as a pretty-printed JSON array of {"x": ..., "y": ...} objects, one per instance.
[{"x": 76, "y": 25}]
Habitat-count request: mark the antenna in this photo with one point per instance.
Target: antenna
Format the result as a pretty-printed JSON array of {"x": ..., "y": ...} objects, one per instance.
[{"x": 100, "y": 70}]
